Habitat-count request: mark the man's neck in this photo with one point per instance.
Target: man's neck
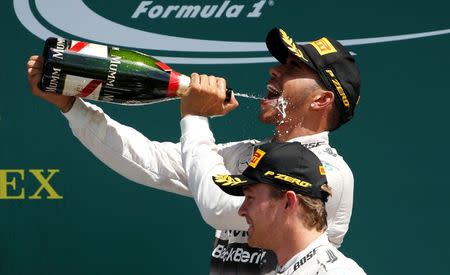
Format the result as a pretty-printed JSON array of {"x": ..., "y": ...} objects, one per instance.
[
  {"x": 297, "y": 242},
  {"x": 289, "y": 130},
  {"x": 284, "y": 134}
]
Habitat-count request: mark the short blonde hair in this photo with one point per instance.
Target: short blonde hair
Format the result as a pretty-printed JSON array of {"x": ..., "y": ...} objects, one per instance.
[{"x": 314, "y": 214}]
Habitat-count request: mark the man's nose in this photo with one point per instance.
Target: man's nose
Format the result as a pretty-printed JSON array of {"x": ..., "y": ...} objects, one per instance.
[
  {"x": 276, "y": 71},
  {"x": 243, "y": 209}
]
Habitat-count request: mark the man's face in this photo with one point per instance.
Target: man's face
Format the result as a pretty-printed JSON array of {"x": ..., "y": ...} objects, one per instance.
[
  {"x": 292, "y": 83},
  {"x": 262, "y": 212}
]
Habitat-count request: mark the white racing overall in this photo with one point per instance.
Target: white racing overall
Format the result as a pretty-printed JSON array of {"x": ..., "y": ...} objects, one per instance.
[{"x": 160, "y": 165}]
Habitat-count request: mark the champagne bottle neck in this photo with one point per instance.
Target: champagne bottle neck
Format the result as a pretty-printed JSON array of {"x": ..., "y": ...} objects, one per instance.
[{"x": 184, "y": 82}]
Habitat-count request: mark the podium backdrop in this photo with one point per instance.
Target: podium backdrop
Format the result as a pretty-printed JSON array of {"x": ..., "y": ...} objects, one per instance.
[{"x": 63, "y": 212}]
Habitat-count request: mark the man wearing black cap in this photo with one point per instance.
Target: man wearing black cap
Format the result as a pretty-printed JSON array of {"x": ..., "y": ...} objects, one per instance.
[
  {"x": 313, "y": 90},
  {"x": 285, "y": 193}
]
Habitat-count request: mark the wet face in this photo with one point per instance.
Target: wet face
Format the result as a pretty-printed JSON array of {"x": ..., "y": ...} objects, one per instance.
[
  {"x": 262, "y": 212},
  {"x": 291, "y": 83}
]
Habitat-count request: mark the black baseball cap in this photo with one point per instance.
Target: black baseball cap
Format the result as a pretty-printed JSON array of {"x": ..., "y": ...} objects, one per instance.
[
  {"x": 330, "y": 59},
  {"x": 284, "y": 165}
]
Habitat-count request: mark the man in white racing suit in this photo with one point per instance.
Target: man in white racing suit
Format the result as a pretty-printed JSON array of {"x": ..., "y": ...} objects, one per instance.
[
  {"x": 313, "y": 108},
  {"x": 285, "y": 191}
]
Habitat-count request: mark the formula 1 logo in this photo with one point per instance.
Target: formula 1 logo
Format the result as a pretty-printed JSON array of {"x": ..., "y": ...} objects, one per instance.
[
  {"x": 46, "y": 18},
  {"x": 225, "y": 10}
]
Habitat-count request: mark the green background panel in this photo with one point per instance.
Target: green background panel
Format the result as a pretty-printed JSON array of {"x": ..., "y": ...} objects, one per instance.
[{"x": 396, "y": 145}]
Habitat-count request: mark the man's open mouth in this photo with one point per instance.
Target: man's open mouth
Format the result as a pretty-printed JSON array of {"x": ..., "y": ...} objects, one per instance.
[{"x": 272, "y": 91}]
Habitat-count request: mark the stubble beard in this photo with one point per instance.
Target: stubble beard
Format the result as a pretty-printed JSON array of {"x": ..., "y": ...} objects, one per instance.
[
  {"x": 252, "y": 240},
  {"x": 269, "y": 115}
]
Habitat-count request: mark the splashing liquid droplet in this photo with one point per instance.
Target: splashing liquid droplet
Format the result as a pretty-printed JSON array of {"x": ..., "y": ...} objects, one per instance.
[{"x": 281, "y": 107}]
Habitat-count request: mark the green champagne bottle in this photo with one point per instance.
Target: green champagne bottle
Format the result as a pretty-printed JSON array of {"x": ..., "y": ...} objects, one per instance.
[{"x": 109, "y": 74}]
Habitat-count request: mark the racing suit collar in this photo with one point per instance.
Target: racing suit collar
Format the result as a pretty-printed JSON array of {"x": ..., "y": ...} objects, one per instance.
[
  {"x": 320, "y": 241},
  {"x": 316, "y": 138}
]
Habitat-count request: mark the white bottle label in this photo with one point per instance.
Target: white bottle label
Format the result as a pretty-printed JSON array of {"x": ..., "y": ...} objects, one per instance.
[{"x": 83, "y": 87}]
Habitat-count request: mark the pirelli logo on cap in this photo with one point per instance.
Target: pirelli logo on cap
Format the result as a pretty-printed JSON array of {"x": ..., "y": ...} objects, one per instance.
[
  {"x": 322, "y": 170},
  {"x": 292, "y": 47},
  {"x": 323, "y": 46},
  {"x": 257, "y": 156}
]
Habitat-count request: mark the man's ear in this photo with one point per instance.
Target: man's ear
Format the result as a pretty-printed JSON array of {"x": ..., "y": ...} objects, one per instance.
[
  {"x": 291, "y": 200},
  {"x": 322, "y": 100}
]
